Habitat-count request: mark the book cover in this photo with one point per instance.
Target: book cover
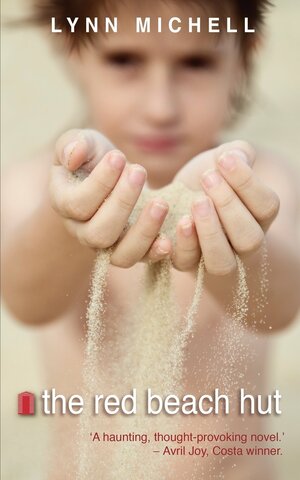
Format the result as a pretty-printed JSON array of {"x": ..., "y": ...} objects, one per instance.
[{"x": 150, "y": 260}]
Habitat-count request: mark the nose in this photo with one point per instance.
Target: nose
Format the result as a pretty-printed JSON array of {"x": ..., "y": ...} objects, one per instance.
[{"x": 160, "y": 103}]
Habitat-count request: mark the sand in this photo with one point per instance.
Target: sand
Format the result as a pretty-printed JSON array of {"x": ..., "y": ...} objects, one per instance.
[
  {"x": 158, "y": 339},
  {"x": 154, "y": 350},
  {"x": 94, "y": 339}
]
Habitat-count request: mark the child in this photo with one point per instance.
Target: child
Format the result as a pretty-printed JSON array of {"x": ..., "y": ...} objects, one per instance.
[{"x": 162, "y": 100}]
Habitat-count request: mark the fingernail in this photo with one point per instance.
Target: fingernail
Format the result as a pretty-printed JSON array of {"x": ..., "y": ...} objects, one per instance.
[
  {"x": 186, "y": 226},
  {"x": 69, "y": 149},
  {"x": 202, "y": 207},
  {"x": 163, "y": 247},
  {"x": 117, "y": 160},
  {"x": 158, "y": 210},
  {"x": 211, "y": 178},
  {"x": 137, "y": 175},
  {"x": 229, "y": 160}
]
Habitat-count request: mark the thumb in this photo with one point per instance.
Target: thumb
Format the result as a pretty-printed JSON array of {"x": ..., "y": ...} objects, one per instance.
[
  {"x": 191, "y": 173},
  {"x": 81, "y": 148},
  {"x": 239, "y": 147}
]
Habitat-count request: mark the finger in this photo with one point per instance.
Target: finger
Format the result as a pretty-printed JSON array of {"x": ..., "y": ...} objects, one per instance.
[
  {"x": 243, "y": 231},
  {"x": 160, "y": 249},
  {"x": 81, "y": 200},
  {"x": 106, "y": 226},
  {"x": 139, "y": 238},
  {"x": 81, "y": 148},
  {"x": 187, "y": 250},
  {"x": 218, "y": 256},
  {"x": 262, "y": 202}
]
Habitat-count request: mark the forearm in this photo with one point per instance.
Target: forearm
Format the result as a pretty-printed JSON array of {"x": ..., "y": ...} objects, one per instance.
[
  {"x": 282, "y": 293},
  {"x": 43, "y": 266}
]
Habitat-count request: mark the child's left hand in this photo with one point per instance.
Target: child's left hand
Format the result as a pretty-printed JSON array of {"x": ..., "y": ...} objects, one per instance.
[{"x": 234, "y": 210}]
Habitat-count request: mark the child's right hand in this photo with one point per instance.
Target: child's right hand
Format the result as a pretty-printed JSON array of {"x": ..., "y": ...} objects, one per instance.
[{"x": 96, "y": 210}]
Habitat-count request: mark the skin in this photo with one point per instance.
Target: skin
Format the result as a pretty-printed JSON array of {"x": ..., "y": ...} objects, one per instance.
[{"x": 161, "y": 99}]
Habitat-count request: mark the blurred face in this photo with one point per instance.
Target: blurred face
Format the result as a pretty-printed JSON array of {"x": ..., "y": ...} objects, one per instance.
[{"x": 161, "y": 98}]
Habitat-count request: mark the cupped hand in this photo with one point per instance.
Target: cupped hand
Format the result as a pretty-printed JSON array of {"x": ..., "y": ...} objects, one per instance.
[
  {"x": 96, "y": 210},
  {"x": 232, "y": 214}
]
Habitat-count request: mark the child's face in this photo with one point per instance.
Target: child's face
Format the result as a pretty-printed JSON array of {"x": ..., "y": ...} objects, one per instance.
[{"x": 161, "y": 98}]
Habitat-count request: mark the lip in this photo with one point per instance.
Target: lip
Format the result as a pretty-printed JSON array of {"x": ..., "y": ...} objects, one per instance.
[{"x": 157, "y": 143}]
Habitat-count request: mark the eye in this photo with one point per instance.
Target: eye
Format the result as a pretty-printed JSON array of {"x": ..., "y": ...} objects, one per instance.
[
  {"x": 198, "y": 62},
  {"x": 123, "y": 59}
]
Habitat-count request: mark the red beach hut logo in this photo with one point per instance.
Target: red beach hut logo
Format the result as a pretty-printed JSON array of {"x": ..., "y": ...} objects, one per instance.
[{"x": 26, "y": 403}]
